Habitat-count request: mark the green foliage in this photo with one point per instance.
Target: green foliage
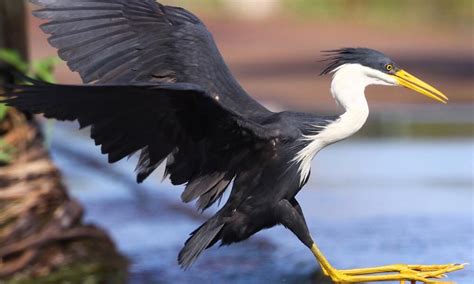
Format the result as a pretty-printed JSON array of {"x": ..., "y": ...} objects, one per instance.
[
  {"x": 39, "y": 69},
  {"x": 319, "y": 8},
  {"x": 14, "y": 59},
  {"x": 400, "y": 12},
  {"x": 435, "y": 12},
  {"x": 42, "y": 69},
  {"x": 424, "y": 130},
  {"x": 3, "y": 111},
  {"x": 6, "y": 152}
]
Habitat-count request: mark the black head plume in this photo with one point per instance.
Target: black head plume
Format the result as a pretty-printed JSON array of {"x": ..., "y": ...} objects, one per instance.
[{"x": 363, "y": 56}]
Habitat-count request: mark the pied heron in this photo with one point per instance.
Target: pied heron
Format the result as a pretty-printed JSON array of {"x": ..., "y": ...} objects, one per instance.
[{"x": 161, "y": 88}]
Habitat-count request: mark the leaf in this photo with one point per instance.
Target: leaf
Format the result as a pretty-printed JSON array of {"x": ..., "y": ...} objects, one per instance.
[
  {"x": 3, "y": 111},
  {"x": 5, "y": 158},
  {"x": 13, "y": 58},
  {"x": 6, "y": 152},
  {"x": 43, "y": 69}
]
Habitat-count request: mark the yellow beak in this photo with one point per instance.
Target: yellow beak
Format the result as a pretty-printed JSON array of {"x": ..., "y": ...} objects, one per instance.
[{"x": 407, "y": 80}]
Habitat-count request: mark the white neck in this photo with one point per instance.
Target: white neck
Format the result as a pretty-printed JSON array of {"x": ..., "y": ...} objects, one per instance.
[{"x": 347, "y": 87}]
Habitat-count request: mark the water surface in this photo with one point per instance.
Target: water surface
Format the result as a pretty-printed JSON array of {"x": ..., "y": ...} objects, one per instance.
[{"x": 369, "y": 202}]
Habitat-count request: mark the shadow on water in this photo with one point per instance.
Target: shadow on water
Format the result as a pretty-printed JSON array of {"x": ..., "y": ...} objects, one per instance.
[{"x": 365, "y": 205}]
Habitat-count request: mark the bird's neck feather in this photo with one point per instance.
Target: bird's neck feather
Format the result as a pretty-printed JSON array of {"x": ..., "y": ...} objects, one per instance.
[{"x": 348, "y": 87}]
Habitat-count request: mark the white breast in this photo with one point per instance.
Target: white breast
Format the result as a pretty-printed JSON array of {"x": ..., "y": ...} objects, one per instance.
[{"x": 348, "y": 124}]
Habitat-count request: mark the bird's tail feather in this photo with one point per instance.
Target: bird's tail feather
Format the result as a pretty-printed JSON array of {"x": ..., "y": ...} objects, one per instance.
[{"x": 201, "y": 238}]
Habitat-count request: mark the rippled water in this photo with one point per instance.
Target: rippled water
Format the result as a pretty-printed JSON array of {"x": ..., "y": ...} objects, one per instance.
[{"x": 369, "y": 202}]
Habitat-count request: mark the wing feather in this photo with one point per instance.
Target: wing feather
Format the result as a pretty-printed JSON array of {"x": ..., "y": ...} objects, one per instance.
[
  {"x": 206, "y": 144},
  {"x": 117, "y": 41},
  {"x": 162, "y": 89}
]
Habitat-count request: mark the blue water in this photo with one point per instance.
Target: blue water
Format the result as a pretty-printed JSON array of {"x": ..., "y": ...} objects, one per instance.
[{"x": 368, "y": 202}]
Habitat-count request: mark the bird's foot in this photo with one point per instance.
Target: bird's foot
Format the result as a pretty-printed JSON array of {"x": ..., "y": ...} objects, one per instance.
[{"x": 396, "y": 272}]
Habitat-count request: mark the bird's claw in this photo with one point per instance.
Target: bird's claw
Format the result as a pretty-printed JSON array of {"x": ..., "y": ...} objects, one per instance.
[{"x": 396, "y": 272}]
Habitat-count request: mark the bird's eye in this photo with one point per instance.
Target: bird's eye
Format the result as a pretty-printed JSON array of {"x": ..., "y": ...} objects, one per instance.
[{"x": 389, "y": 67}]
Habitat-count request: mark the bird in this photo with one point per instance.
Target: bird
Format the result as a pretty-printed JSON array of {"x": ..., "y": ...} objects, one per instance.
[{"x": 156, "y": 85}]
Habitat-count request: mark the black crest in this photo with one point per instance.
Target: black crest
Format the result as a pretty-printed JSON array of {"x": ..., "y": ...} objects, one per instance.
[{"x": 363, "y": 56}]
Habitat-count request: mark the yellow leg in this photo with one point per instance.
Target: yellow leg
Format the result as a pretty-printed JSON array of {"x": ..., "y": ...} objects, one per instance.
[{"x": 396, "y": 272}]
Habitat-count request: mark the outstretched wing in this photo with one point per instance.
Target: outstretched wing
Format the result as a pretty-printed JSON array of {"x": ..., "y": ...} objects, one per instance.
[
  {"x": 204, "y": 143},
  {"x": 129, "y": 41}
]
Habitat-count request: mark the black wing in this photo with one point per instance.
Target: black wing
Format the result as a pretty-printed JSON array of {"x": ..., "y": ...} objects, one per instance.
[
  {"x": 204, "y": 143},
  {"x": 181, "y": 102},
  {"x": 117, "y": 41}
]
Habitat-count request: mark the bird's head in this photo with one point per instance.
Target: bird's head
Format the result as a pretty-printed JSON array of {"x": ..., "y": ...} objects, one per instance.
[{"x": 375, "y": 68}]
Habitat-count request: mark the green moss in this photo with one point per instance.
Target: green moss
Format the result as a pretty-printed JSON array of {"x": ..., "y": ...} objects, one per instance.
[
  {"x": 6, "y": 151},
  {"x": 3, "y": 111}
]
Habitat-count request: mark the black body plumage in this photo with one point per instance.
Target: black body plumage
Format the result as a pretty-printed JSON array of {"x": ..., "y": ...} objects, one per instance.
[{"x": 161, "y": 88}]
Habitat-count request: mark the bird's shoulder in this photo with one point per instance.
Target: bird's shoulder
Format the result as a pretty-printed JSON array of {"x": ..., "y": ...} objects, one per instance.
[{"x": 291, "y": 125}]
